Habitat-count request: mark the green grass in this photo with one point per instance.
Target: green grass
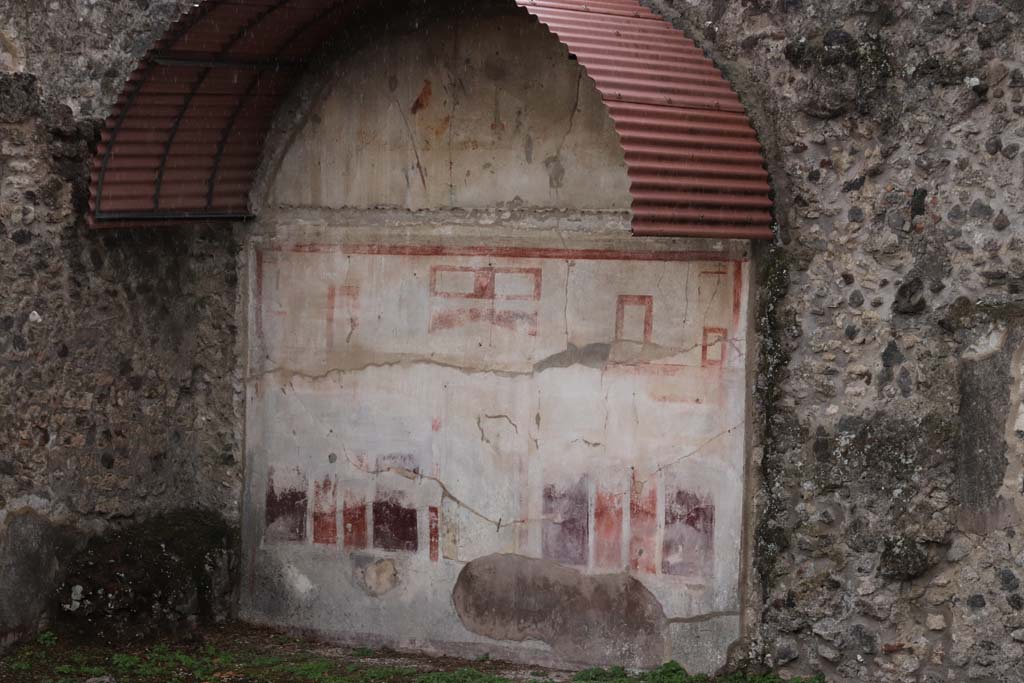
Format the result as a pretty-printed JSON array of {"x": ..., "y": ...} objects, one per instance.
[
  {"x": 47, "y": 639},
  {"x": 459, "y": 676},
  {"x": 239, "y": 655},
  {"x": 672, "y": 672}
]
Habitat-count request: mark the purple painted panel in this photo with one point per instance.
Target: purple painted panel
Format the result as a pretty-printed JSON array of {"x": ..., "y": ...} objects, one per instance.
[
  {"x": 286, "y": 506},
  {"x": 566, "y": 534},
  {"x": 689, "y": 541}
]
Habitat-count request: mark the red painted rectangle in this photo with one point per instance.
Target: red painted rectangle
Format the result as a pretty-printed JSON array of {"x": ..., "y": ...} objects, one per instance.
[
  {"x": 518, "y": 284},
  {"x": 394, "y": 526},
  {"x": 511, "y": 252},
  {"x": 353, "y": 518},
  {"x": 713, "y": 348},
  {"x": 435, "y": 534},
  {"x": 350, "y": 295},
  {"x": 481, "y": 282},
  {"x": 325, "y": 511},
  {"x": 566, "y": 532},
  {"x": 643, "y": 526},
  {"x": 688, "y": 547},
  {"x": 508, "y": 320},
  {"x": 608, "y": 529},
  {"x": 640, "y": 301}
]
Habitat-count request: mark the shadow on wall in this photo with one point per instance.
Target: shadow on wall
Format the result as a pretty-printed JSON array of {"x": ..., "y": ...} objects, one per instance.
[
  {"x": 167, "y": 574},
  {"x": 30, "y": 548}
]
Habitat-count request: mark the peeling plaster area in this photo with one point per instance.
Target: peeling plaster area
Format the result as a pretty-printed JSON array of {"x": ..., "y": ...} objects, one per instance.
[
  {"x": 501, "y": 425},
  {"x": 416, "y": 407}
]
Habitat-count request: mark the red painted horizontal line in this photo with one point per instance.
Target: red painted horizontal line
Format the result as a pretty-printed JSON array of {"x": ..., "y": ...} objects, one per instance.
[{"x": 509, "y": 252}]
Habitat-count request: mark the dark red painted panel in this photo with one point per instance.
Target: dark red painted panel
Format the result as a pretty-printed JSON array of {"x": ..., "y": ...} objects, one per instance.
[
  {"x": 354, "y": 521},
  {"x": 689, "y": 542},
  {"x": 394, "y": 525},
  {"x": 325, "y": 511},
  {"x": 608, "y": 529},
  {"x": 286, "y": 508},
  {"x": 435, "y": 534},
  {"x": 566, "y": 532}
]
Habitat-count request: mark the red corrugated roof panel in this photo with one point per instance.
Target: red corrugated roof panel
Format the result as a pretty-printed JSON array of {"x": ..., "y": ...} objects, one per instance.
[
  {"x": 183, "y": 142},
  {"x": 694, "y": 161}
]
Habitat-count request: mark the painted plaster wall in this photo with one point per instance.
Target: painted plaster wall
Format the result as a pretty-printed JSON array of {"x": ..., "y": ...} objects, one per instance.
[
  {"x": 414, "y": 407},
  {"x": 465, "y": 112},
  {"x": 893, "y": 139},
  {"x": 515, "y": 430}
]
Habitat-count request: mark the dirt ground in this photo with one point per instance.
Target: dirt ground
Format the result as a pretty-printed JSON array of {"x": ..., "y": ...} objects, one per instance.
[{"x": 245, "y": 654}]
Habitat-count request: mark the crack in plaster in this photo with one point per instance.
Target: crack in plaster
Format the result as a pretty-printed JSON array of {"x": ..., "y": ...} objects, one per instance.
[
  {"x": 569, "y": 357},
  {"x": 446, "y": 493},
  {"x": 572, "y": 114},
  {"x": 480, "y": 427},
  {"x": 652, "y": 352},
  {"x": 412, "y": 143},
  {"x": 501, "y": 417}
]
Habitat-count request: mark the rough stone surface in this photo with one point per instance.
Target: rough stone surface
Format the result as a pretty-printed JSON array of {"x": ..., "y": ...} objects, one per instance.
[
  {"x": 509, "y": 597},
  {"x": 31, "y": 551},
  {"x": 166, "y": 574},
  {"x": 860, "y": 105},
  {"x": 117, "y": 350},
  {"x": 890, "y": 500}
]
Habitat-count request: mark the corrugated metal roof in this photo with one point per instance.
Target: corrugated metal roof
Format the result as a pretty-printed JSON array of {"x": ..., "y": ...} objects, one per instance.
[
  {"x": 694, "y": 160},
  {"x": 184, "y": 141}
]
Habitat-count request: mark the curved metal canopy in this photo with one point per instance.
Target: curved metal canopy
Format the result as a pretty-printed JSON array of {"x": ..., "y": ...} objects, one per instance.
[{"x": 183, "y": 143}]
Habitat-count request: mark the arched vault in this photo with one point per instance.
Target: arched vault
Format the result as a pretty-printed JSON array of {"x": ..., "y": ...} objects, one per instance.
[{"x": 184, "y": 141}]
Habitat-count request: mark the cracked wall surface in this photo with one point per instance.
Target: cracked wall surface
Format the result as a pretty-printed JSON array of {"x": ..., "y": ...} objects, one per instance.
[
  {"x": 453, "y": 114},
  {"x": 467, "y": 421},
  {"x": 432, "y": 404},
  {"x": 894, "y": 141}
]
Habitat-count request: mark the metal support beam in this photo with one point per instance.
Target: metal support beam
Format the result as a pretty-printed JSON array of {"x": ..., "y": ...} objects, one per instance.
[{"x": 218, "y": 63}]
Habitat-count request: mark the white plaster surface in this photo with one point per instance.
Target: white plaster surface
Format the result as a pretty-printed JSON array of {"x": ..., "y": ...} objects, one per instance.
[
  {"x": 428, "y": 388},
  {"x": 471, "y": 112},
  {"x": 432, "y": 375}
]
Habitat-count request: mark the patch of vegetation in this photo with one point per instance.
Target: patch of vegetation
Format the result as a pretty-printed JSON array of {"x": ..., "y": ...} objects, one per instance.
[
  {"x": 459, "y": 676},
  {"x": 378, "y": 674},
  {"x": 245, "y": 655},
  {"x": 47, "y": 639},
  {"x": 672, "y": 672}
]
